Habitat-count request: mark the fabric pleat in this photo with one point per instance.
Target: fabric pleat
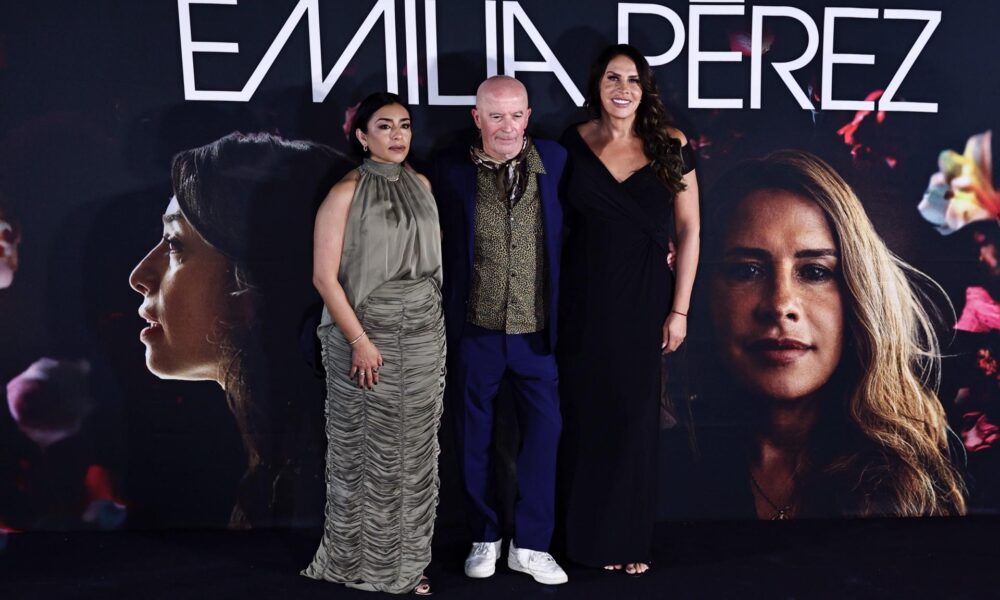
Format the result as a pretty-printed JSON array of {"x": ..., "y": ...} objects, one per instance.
[{"x": 382, "y": 475}]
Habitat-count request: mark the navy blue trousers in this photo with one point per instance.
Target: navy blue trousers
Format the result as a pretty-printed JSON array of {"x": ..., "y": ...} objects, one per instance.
[{"x": 484, "y": 359}]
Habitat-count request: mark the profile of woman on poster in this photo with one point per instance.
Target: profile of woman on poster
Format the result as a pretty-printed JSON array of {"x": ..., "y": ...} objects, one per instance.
[
  {"x": 224, "y": 292},
  {"x": 820, "y": 358},
  {"x": 10, "y": 237}
]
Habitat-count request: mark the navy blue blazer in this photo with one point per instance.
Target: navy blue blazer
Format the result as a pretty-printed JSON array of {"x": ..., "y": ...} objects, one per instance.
[{"x": 454, "y": 186}]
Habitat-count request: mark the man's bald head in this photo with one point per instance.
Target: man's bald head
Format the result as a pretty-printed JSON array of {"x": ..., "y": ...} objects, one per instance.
[
  {"x": 500, "y": 85},
  {"x": 501, "y": 114}
]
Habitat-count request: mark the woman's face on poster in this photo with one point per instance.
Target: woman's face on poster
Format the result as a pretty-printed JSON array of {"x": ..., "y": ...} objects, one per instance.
[
  {"x": 776, "y": 299},
  {"x": 9, "y": 240},
  {"x": 184, "y": 283}
]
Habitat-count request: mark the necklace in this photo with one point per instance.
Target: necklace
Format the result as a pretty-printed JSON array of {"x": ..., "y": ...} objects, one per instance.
[
  {"x": 781, "y": 513},
  {"x": 389, "y": 171}
]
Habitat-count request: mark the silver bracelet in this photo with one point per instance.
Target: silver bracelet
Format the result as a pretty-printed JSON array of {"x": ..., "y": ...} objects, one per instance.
[{"x": 355, "y": 340}]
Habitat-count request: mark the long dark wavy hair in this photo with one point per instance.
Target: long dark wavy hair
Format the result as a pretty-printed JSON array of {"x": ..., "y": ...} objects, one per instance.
[
  {"x": 253, "y": 197},
  {"x": 651, "y": 119}
]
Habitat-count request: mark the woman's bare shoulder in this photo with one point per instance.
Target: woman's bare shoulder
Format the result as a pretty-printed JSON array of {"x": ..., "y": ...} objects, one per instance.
[
  {"x": 342, "y": 192},
  {"x": 423, "y": 179},
  {"x": 677, "y": 134}
]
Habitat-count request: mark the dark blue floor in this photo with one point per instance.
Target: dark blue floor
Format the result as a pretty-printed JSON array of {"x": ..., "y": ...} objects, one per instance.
[{"x": 953, "y": 559}]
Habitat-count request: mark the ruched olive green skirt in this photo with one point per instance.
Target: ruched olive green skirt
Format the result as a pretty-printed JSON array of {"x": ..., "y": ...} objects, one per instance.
[{"x": 382, "y": 454}]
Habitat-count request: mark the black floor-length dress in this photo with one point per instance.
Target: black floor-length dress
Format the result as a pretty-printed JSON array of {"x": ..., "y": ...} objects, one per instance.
[{"x": 617, "y": 292}]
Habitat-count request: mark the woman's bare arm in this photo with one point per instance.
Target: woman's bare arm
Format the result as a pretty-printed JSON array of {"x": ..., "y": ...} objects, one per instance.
[{"x": 328, "y": 247}]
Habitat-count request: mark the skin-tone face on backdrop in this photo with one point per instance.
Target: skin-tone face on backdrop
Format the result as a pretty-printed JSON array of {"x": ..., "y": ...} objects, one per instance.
[
  {"x": 776, "y": 302},
  {"x": 9, "y": 239},
  {"x": 183, "y": 281},
  {"x": 621, "y": 91},
  {"x": 389, "y": 134},
  {"x": 501, "y": 115}
]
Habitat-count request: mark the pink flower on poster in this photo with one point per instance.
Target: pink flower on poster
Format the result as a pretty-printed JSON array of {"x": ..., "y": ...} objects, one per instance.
[
  {"x": 348, "y": 118},
  {"x": 981, "y": 313},
  {"x": 50, "y": 399}
]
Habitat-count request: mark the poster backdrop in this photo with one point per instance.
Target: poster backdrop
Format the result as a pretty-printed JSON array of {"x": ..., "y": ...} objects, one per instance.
[{"x": 98, "y": 96}]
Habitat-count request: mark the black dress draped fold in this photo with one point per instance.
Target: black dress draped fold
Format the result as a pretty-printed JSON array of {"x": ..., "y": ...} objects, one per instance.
[{"x": 617, "y": 291}]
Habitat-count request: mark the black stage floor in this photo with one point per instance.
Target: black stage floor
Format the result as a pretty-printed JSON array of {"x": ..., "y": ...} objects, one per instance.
[{"x": 955, "y": 559}]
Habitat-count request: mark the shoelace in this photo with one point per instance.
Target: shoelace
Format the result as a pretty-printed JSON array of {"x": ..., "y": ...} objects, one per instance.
[
  {"x": 543, "y": 557},
  {"x": 481, "y": 550}
]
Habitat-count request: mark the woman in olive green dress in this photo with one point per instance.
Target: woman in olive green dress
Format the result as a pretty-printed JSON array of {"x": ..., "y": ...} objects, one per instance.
[{"x": 378, "y": 268}]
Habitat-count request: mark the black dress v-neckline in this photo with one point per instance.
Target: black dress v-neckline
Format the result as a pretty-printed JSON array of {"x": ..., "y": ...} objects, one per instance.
[{"x": 604, "y": 167}]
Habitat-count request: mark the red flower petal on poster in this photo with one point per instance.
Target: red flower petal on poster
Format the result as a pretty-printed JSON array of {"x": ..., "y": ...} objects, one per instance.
[
  {"x": 97, "y": 482},
  {"x": 978, "y": 433},
  {"x": 986, "y": 363},
  {"x": 103, "y": 510},
  {"x": 849, "y": 130},
  {"x": 348, "y": 117}
]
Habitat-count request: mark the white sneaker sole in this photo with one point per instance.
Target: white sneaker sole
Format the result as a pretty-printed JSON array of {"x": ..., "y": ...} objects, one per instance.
[
  {"x": 550, "y": 580},
  {"x": 482, "y": 572}
]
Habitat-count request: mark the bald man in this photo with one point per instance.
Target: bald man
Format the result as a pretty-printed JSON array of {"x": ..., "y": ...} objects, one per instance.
[{"x": 502, "y": 234}]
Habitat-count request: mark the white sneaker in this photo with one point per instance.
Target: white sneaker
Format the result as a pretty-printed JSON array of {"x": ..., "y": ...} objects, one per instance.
[
  {"x": 482, "y": 559},
  {"x": 539, "y": 565}
]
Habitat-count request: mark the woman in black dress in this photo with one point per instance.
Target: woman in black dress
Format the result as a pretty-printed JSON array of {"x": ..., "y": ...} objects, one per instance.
[{"x": 629, "y": 180}]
